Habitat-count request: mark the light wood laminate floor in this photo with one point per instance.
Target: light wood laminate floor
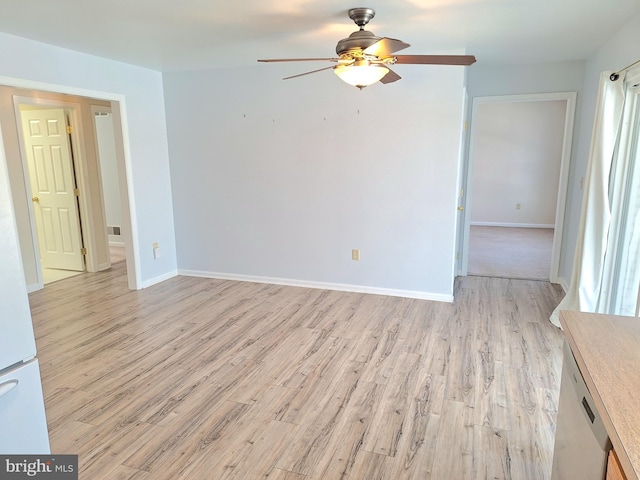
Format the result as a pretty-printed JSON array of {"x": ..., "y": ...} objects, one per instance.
[{"x": 209, "y": 379}]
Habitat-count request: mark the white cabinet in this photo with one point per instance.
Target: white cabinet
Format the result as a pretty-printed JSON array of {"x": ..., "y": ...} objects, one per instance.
[{"x": 23, "y": 424}]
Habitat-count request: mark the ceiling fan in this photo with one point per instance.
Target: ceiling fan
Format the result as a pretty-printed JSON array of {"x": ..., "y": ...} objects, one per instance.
[{"x": 364, "y": 58}]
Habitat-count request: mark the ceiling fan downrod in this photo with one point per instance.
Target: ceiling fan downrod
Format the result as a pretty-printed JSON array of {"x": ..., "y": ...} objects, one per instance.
[
  {"x": 354, "y": 44},
  {"x": 361, "y": 16}
]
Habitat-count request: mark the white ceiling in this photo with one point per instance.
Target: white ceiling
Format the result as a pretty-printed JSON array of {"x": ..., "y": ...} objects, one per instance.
[{"x": 200, "y": 34}]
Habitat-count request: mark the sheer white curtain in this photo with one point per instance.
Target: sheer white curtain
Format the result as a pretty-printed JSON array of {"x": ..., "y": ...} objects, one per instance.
[
  {"x": 622, "y": 269},
  {"x": 588, "y": 276}
]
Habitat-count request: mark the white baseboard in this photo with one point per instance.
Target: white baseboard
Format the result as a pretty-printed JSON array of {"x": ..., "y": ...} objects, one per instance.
[
  {"x": 515, "y": 225},
  {"x": 158, "y": 279},
  {"x": 436, "y": 297},
  {"x": 104, "y": 266},
  {"x": 564, "y": 284},
  {"x": 34, "y": 287}
]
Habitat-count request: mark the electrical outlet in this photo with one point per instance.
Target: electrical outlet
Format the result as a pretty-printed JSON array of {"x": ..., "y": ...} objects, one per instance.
[
  {"x": 518, "y": 206},
  {"x": 355, "y": 254}
]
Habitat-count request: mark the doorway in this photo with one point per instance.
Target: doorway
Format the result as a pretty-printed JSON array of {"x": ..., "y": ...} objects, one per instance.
[
  {"x": 111, "y": 195},
  {"x": 88, "y": 179},
  {"x": 514, "y": 181}
]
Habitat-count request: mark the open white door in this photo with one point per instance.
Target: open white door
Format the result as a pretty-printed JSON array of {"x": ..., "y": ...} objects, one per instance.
[
  {"x": 53, "y": 186},
  {"x": 460, "y": 268}
]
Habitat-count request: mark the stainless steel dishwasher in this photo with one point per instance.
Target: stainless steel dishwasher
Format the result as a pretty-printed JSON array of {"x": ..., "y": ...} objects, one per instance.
[{"x": 581, "y": 443}]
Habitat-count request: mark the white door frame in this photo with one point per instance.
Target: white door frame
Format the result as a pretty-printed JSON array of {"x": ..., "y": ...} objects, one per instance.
[
  {"x": 123, "y": 160},
  {"x": 570, "y": 98},
  {"x": 462, "y": 188}
]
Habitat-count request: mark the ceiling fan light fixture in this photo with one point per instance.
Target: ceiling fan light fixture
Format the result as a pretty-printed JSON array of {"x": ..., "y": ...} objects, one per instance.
[
  {"x": 363, "y": 56},
  {"x": 361, "y": 75}
]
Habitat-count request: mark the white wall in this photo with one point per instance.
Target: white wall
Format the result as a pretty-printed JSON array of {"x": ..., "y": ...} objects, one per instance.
[
  {"x": 488, "y": 80},
  {"x": 36, "y": 65},
  {"x": 278, "y": 180},
  {"x": 517, "y": 154}
]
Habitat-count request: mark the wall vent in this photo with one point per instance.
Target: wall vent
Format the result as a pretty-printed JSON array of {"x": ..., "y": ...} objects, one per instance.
[{"x": 111, "y": 230}]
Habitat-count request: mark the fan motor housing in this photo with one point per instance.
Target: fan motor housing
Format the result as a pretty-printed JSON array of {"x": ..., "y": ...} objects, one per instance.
[{"x": 356, "y": 42}]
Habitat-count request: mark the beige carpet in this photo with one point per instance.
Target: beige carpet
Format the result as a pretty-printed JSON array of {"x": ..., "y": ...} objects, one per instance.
[{"x": 510, "y": 252}]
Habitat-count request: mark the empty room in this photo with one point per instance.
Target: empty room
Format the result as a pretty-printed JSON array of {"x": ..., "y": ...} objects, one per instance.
[{"x": 241, "y": 240}]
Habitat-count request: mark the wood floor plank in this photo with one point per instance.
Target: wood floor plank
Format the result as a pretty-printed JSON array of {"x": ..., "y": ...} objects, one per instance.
[
  {"x": 201, "y": 378},
  {"x": 527, "y": 453},
  {"x": 69, "y": 436},
  {"x": 345, "y": 446},
  {"x": 277, "y": 474},
  {"x": 371, "y": 466},
  {"x": 123, "y": 472},
  {"x": 384, "y": 357},
  {"x": 417, "y": 449},
  {"x": 105, "y": 448},
  {"x": 195, "y": 394},
  {"x": 169, "y": 448},
  {"x": 455, "y": 447},
  {"x": 307, "y": 447},
  {"x": 491, "y": 402},
  {"x": 494, "y": 460},
  {"x": 216, "y": 438},
  {"x": 259, "y": 455},
  {"x": 305, "y": 403},
  {"x": 391, "y": 415}
]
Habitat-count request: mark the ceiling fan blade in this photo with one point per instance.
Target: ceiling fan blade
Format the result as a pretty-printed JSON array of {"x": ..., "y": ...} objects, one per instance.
[
  {"x": 385, "y": 47},
  {"x": 299, "y": 59},
  {"x": 308, "y": 73},
  {"x": 390, "y": 77},
  {"x": 436, "y": 59}
]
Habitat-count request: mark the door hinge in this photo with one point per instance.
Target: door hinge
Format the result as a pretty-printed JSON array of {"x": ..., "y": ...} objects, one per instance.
[
  {"x": 76, "y": 192},
  {"x": 69, "y": 129},
  {"x": 83, "y": 251}
]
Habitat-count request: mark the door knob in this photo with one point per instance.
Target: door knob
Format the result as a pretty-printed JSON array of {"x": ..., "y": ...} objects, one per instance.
[
  {"x": 35, "y": 199},
  {"x": 460, "y": 209}
]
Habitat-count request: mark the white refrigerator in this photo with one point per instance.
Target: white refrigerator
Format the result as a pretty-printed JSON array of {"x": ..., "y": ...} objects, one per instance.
[{"x": 23, "y": 424}]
